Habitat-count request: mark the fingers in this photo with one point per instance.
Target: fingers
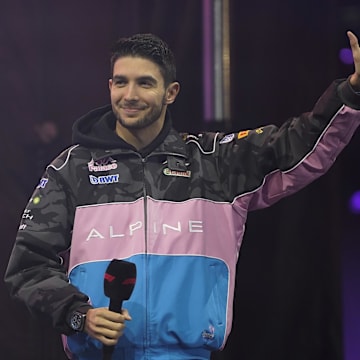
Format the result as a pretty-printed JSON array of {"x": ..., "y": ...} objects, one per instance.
[
  {"x": 107, "y": 337},
  {"x": 354, "y": 43},
  {"x": 125, "y": 314},
  {"x": 352, "y": 38},
  {"x": 106, "y": 326},
  {"x": 355, "y": 77}
]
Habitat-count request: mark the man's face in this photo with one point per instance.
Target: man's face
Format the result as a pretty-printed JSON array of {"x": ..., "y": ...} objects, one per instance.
[{"x": 137, "y": 91}]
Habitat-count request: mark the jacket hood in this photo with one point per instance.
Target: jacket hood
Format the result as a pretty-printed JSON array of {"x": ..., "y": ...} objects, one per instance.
[{"x": 96, "y": 130}]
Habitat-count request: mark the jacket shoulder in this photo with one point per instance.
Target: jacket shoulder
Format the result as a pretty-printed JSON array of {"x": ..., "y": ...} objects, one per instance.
[
  {"x": 73, "y": 152},
  {"x": 206, "y": 141}
]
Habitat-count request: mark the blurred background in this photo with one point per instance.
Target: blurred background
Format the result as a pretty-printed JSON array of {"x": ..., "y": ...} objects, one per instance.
[{"x": 297, "y": 293}]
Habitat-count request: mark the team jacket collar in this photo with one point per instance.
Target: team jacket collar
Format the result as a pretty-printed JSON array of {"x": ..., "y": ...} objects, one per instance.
[{"x": 168, "y": 143}]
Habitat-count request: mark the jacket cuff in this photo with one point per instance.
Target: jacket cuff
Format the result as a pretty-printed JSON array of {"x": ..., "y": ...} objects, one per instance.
[{"x": 348, "y": 95}]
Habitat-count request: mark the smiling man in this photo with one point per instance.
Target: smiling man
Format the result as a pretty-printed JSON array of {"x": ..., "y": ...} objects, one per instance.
[
  {"x": 139, "y": 98},
  {"x": 131, "y": 187}
]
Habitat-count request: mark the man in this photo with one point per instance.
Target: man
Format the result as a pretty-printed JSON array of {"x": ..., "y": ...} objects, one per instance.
[{"x": 175, "y": 205}]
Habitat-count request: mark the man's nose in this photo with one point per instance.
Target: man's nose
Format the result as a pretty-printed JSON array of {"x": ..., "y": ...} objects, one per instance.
[{"x": 131, "y": 92}]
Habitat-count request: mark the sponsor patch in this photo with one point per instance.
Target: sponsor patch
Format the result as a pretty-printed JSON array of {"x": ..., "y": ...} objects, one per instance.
[
  {"x": 42, "y": 183},
  {"x": 27, "y": 215},
  {"x": 169, "y": 172},
  {"x": 22, "y": 226},
  {"x": 209, "y": 334},
  {"x": 102, "y": 165},
  {"x": 227, "y": 138},
  {"x": 243, "y": 134},
  {"x": 104, "y": 180},
  {"x": 36, "y": 200}
]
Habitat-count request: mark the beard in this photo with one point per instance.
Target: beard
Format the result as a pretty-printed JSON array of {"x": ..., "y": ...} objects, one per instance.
[{"x": 143, "y": 122}]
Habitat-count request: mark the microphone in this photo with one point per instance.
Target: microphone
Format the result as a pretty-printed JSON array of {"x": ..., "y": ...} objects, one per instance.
[{"x": 119, "y": 282}]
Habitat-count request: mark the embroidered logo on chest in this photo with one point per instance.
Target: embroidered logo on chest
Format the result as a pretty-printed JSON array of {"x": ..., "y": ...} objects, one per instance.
[
  {"x": 104, "y": 180},
  {"x": 102, "y": 165}
]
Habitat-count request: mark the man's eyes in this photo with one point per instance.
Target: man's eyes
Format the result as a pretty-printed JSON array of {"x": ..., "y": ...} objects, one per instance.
[
  {"x": 144, "y": 84},
  {"x": 119, "y": 82}
]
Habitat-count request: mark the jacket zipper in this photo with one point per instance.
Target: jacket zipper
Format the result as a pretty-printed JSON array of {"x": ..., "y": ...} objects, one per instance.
[{"x": 146, "y": 272}]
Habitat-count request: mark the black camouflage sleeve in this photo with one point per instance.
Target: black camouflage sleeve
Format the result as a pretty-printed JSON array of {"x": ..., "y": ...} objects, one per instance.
[{"x": 36, "y": 273}]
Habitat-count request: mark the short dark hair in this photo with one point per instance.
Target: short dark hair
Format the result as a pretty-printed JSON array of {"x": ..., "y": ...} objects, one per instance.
[{"x": 150, "y": 47}]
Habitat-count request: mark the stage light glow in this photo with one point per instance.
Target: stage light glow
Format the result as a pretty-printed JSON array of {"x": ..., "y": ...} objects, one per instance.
[
  {"x": 345, "y": 56},
  {"x": 354, "y": 202}
]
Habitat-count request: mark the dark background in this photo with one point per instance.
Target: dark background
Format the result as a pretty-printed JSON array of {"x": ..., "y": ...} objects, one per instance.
[{"x": 297, "y": 289}]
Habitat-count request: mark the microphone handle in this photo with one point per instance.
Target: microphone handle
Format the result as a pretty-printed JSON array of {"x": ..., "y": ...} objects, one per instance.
[
  {"x": 107, "y": 352},
  {"x": 115, "y": 306}
]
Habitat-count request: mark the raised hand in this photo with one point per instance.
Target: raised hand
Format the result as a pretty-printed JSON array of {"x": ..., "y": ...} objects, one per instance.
[{"x": 355, "y": 48}]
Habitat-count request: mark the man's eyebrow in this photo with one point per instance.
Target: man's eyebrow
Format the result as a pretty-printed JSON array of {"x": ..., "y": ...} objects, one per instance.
[
  {"x": 118, "y": 77},
  {"x": 147, "y": 78}
]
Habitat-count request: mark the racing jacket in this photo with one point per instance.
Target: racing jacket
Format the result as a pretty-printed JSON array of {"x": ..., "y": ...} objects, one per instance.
[{"x": 177, "y": 209}]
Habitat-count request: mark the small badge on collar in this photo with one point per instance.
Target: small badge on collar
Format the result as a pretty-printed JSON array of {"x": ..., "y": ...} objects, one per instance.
[{"x": 168, "y": 172}]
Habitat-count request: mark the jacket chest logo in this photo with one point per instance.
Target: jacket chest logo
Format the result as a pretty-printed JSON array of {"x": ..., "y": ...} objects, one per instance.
[
  {"x": 102, "y": 165},
  {"x": 104, "y": 180}
]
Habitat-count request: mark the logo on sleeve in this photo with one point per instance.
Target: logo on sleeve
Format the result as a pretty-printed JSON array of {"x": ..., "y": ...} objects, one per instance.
[
  {"x": 243, "y": 134},
  {"x": 42, "y": 183},
  {"x": 227, "y": 138},
  {"x": 22, "y": 227},
  {"x": 36, "y": 200},
  {"x": 27, "y": 215}
]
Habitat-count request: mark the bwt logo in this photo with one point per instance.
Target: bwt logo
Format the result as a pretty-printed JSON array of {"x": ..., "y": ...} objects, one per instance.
[{"x": 106, "y": 179}]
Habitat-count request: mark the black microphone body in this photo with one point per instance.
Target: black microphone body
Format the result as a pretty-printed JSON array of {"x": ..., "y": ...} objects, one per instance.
[
  {"x": 115, "y": 305},
  {"x": 119, "y": 282}
]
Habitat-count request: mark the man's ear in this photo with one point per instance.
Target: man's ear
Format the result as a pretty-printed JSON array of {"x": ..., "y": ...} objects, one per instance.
[{"x": 171, "y": 92}]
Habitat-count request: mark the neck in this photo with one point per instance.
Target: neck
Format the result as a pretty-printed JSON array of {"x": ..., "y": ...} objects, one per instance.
[{"x": 140, "y": 138}]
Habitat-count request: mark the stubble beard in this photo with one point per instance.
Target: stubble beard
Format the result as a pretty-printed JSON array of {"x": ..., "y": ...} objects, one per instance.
[{"x": 143, "y": 122}]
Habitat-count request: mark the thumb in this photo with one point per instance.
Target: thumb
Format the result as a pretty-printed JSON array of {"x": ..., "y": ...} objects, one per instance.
[{"x": 125, "y": 314}]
